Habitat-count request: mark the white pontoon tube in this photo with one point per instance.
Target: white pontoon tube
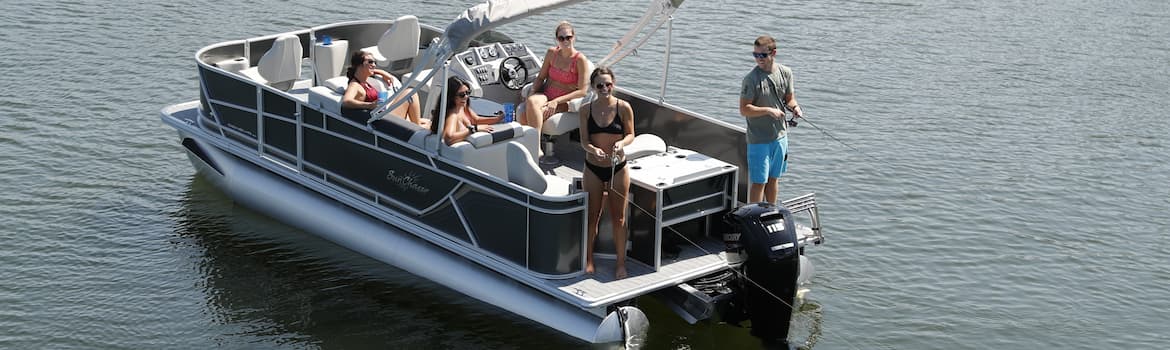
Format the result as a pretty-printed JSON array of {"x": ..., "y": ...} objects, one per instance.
[{"x": 285, "y": 201}]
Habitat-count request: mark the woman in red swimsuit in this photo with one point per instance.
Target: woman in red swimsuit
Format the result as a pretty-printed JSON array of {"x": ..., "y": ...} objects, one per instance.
[
  {"x": 361, "y": 95},
  {"x": 560, "y": 80}
]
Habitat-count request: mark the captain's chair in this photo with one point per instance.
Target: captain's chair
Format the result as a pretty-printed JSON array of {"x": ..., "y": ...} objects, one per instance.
[
  {"x": 398, "y": 46},
  {"x": 280, "y": 67},
  {"x": 561, "y": 123}
]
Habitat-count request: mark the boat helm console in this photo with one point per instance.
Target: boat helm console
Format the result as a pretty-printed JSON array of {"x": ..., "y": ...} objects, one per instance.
[{"x": 498, "y": 63}]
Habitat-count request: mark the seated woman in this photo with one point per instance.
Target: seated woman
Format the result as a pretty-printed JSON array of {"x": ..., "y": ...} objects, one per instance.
[
  {"x": 361, "y": 95},
  {"x": 560, "y": 80},
  {"x": 607, "y": 127},
  {"x": 461, "y": 121}
]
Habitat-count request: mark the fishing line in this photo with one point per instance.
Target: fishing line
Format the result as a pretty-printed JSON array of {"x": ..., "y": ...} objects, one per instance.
[{"x": 814, "y": 125}]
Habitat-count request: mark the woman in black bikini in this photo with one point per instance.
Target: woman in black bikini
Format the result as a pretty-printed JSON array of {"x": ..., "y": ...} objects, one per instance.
[{"x": 608, "y": 127}]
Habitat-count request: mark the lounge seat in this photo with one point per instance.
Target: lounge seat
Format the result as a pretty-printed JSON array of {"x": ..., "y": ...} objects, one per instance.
[
  {"x": 398, "y": 46},
  {"x": 280, "y": 66},
  {"x": 487, "y": 151},
  {"x": 523, "y": 171},
  {"x": 327, "y": 97},
  {"x": 561, "y": 123}
]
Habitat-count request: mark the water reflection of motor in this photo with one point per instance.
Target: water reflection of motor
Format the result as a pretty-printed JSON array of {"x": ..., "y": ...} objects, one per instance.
[{"x": 767, "y": 235}]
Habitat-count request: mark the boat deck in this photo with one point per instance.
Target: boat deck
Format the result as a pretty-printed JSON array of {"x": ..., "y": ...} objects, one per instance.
[{"x": 601, "y": 288}]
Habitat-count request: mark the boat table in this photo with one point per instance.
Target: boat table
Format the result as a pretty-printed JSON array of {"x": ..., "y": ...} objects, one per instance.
[{"x": 680, "y": 188}]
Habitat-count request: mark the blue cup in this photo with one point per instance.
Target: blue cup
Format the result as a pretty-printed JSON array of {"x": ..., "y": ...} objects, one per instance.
[
  {"x": 509, "y": 112},
  {"x": 382, "y": 95},
  {"x": 326, "y": 40}
]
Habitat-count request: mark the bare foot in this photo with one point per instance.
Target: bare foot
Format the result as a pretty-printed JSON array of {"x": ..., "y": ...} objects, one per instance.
[
  {"x": 589, "y": 268},
  {"x": 620, "y": 273}
]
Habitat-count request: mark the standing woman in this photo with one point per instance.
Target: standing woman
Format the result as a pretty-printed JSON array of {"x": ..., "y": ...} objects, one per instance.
[
  {"x": 361, "y": 95},
  {"x": 562, "y": 78},
  {"x": 607, "y": 128}
]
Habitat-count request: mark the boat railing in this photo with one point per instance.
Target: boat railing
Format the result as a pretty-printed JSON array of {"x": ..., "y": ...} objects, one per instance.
[{"x": 403, "y": 178}]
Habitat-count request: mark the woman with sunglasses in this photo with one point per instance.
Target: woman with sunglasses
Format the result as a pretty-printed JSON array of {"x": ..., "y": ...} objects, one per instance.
[
  {"x": 607, "y": 127},
  {"x": 361, "y": 95},
  {"x": 560, "y": 80},
  {"x": 461, "y": 121}
]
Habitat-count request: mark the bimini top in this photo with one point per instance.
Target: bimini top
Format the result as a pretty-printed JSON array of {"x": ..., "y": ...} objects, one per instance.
[
  {"x": 491, "y": 14},
  {"x": 494, "y": 13}
]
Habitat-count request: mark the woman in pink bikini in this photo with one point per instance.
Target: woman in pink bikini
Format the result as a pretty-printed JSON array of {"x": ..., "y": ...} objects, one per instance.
[{"x": 562, "y": 78}]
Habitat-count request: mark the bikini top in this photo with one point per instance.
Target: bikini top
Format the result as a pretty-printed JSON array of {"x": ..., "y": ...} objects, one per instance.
[
  {"x": 614, "y": 127},
  {"x": 567, "y": 77},
  {"x": 371, "y": 91}
]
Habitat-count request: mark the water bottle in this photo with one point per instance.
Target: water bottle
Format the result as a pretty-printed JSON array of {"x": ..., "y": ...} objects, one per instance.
[{"x": 509, "y": 112}]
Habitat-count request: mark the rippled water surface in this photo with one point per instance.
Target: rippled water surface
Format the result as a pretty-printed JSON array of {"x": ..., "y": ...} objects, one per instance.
[{"x": 993, "y": 174}]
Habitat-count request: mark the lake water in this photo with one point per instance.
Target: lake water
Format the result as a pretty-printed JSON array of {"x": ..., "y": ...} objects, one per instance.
[{"x": 992, "y": 174}]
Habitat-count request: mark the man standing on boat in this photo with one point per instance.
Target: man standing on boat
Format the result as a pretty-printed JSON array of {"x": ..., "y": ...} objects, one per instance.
[{"x": 765, "y": 95}]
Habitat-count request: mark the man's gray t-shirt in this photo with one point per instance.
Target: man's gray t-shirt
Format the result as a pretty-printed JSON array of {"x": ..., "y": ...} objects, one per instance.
[{"x": 766, "y": 90}]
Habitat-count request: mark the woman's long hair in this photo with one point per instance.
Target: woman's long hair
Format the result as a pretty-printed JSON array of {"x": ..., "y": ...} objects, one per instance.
[
  {"x": 453, "y": 85},
  {"x": 357, "y": 59}
]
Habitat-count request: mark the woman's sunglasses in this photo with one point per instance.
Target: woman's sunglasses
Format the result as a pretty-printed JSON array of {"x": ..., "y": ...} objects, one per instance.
[
  {"x": 371, "y": 61},
  {"x": 464, "y": 94},
  {"x": 600, "y": 86},
  {"x": 564, "y": 38}
]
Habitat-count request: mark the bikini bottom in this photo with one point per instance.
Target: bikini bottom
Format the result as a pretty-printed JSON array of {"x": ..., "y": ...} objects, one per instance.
[{"x": 605, "y": 173}]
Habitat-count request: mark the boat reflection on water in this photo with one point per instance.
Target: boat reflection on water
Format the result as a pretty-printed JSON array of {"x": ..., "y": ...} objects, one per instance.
[{"x": 272, "y": 284}]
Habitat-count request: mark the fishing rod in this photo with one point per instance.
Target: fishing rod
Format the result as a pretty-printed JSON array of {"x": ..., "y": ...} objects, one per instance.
[{"x": 792, "y": 123}]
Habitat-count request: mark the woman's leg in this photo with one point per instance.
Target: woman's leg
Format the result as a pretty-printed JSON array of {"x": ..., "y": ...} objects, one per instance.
[
  {"x": 408, "y": 110},
  {"x": 533, "y": 112},
  {"x": 617, "y": 203},
  {"x": 593, "y": 188}
]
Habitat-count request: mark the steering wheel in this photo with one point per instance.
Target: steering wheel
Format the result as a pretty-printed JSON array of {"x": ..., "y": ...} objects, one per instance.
[{"x": 513, "y": 73}]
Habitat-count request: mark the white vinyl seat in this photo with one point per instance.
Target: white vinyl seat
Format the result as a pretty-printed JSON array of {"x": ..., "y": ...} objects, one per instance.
[
  {"x": 561, "y": 123},
  {"x": 487, "y": 151},
  {"x": 328, "y": 95},
  {"x": 280, "y": 66},
  {"x": 645, "y": 145},
  {"x": 398, "y": 46},
  {"x": 524, "y": 171}
]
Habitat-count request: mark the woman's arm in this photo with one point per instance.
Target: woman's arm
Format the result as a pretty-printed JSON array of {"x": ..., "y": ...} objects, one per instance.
[
  {"x": 452, "y": 132},
  {"x": 627, "y": 125},
  {"x": 538, "y": 84}
]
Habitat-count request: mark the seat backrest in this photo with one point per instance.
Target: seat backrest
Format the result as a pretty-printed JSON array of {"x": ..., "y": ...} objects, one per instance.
[
  {"x": 282, "y": 63},
  {"x": 487, "y": 151},
  {"x": 400, "y": 42},
  {"x": 522, "y": 170},
  {"x": 645, "y": 145}
]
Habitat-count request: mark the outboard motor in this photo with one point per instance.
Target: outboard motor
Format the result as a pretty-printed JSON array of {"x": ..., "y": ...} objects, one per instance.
[{"x": 768, "y": 236}]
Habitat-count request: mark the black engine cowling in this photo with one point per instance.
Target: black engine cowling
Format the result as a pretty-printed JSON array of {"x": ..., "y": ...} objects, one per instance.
[{"x": 767, "y": 235}]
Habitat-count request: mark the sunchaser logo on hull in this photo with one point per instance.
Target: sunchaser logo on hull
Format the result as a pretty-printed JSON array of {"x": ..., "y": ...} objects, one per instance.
[{"x": 407, "y": 182}]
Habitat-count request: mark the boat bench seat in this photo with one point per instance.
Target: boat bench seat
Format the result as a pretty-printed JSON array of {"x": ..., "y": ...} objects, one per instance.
[
  {"x": 327, "y": 97},
  {"x": 488, "y": 151}
]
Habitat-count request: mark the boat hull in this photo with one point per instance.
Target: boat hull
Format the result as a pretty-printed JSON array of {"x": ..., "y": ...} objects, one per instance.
[{"x": 269, "y": 194}]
